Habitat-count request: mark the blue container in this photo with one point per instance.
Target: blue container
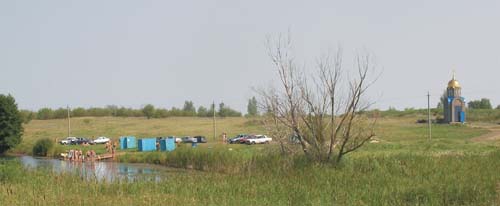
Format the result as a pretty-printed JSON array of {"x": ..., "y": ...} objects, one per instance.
[
  {"x": 147, "y": 144},
  {"x": 127, "y": 142},
  {"x": 167, "y": 144},
  {"x": 123, "y": 141},
  {"x": 131, "y": 142},
  {"x": 170, "y": 144}
]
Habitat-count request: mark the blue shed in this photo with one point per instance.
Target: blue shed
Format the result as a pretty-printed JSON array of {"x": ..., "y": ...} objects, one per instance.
[
  {"x": 131, "y": 142},
  {"x": 148, "y": 144},
  {"x": 127, "y": 142},
  {"x": 167, "y": 144},
  {"x": 123, "y": 141}
]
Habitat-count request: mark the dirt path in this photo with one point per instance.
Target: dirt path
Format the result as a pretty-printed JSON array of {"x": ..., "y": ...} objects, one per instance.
[{"x": 493, "y": 135}]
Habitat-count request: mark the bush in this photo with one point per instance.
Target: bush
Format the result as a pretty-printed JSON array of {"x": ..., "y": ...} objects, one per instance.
[{"x": 43, "y": 147}]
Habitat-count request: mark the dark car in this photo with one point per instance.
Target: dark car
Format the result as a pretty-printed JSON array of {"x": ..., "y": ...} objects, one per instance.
[
  {"x": 200, "y": 139},
  {"x": 236, "y": 139},
  {"x": 187, "y": 139},
  {"x": 81, "y": 140}
]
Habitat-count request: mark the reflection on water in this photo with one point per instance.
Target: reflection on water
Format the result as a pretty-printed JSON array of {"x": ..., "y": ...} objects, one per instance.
[{"x": 99, "y": 170}]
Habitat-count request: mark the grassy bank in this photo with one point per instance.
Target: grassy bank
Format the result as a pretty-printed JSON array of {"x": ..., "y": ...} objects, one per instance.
[
  {"x": 114, "y": 127},
  {"x": 403, "y": 179}
]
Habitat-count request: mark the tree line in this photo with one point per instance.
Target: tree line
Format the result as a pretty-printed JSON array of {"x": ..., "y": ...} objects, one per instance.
[
  {"x": 149, "y": 111},
  {"x": 483, "y": 103}
]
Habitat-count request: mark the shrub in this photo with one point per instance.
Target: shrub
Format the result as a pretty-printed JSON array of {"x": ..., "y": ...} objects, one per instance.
[
  {"x": 87, "y": 121},
  {"x": 43, "y": 147}
]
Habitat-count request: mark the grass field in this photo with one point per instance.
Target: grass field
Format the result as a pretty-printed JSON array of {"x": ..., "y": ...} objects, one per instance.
[
  {"x": 403, "y": 168},
  {"x": 397, "y": 134},
  {"x": 114, "y": 127}
]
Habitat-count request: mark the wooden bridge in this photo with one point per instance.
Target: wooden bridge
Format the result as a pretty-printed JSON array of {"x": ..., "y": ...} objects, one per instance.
[
  {"x": 96, "y": 158},
  {"x": 104, "y": 157}
]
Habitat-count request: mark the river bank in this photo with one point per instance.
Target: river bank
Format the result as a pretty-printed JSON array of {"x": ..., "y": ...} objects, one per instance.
[{"x": 405, "y": 179}]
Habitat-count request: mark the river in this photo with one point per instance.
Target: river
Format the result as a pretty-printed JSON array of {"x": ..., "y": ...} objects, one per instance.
[{"x": 100, "y": 170}]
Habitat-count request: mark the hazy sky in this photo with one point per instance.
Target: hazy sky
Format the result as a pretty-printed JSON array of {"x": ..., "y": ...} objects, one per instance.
[{"x": 130, "y": 53}]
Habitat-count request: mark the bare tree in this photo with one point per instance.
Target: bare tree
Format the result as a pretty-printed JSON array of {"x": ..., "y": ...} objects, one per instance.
[{"x": 325, "y": 111}]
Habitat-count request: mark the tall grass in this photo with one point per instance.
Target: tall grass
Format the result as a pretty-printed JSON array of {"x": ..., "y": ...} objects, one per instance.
[
  {"x": 403, "y": 179},
  {"x": 219, "y": 159}
]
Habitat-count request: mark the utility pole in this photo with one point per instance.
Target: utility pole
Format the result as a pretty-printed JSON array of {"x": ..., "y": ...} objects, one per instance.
[
  {"x": 429, "y": 115},
  {"x": 215, "y": 123},
  {"x": 69, "y": 122}
]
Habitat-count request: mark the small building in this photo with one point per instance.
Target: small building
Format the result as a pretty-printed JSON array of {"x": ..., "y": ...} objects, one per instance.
[
  {"x": 167, "y": 144},
  {"x": 127, "y": 142},
  {"x": 454, "y": 107},
  {"x": 147, "y": 144}
]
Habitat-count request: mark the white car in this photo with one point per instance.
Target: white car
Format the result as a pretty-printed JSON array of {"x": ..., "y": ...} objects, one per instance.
[
  {"x": 68, "y": 140},
  {"x": 258, "y": 139},
  {"x": 101, "y": 140}
]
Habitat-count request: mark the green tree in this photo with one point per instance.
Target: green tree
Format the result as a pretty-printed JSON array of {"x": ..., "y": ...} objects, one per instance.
[
  {"x": 189, "y": 109},
  {"x": 222, "y": 111},
  {"x": 60, "y": 113},
  {"x": 252, "y": 107},
  {"x": 45, "y": 113},
  {"x": 211, "y": 111},
  {"x": 161, "y": 113},
  {"x": 202, "y": 111},
  {"x": 98, "y": 112},
  {"x": 125, "y": 112},
  {"x": 484, "y": 103},
  {"x": 148, "y": 111},
  {"x": 113, "y": 109},
  {"x": 175, "y": 112},
  {"x": 78, "y": 112},
  {"x": 26, "y": 116},
  {"x": 11, "y": 128},
  {"x": 226, "y": 111},
  {"x": 498, "y": 107}
]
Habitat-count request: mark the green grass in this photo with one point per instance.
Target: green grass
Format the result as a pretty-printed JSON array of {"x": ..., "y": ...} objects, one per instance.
[
  {"x": 404, "y": 168},
  {"x": 114, "y": 127},
  {"x": 402, "y": 135},
  {"x": 404, "y": 179}
]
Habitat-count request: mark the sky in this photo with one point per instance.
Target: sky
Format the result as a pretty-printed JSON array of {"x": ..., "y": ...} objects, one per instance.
[{"x": 95, "y": 53}]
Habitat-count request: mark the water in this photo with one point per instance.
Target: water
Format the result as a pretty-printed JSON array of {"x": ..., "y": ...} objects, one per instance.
[{"x": 100, "y": 170}]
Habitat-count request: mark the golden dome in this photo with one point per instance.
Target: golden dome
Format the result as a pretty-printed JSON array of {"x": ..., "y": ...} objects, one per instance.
[{"x": 453, "y": 83}]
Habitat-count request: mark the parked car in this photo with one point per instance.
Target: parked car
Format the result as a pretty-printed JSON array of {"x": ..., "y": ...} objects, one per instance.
[
  {"x": 187, "y": 139},
  {"x": 200, "y": 139},
  {"x": 243, "y": 140},
  {"x": 68, "y": 140},
  {"x": 81, "y": 140},
  {"x": 100, "y": 140},
  {"x": 258, "y": 139},
  {"x": 236, "y": 139}
]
